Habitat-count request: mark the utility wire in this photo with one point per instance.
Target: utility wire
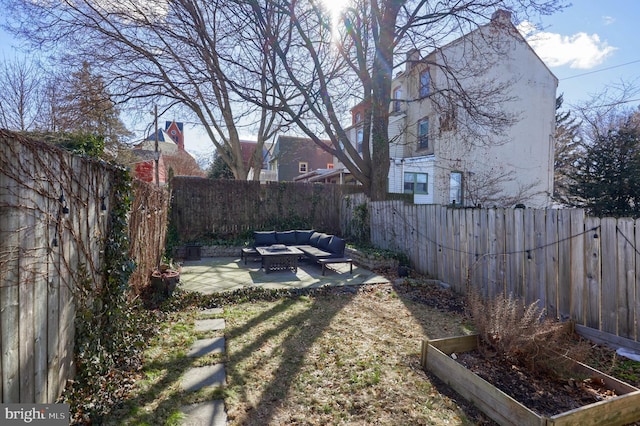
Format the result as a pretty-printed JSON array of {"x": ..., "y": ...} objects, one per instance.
[{"x": 600, "y": 70}]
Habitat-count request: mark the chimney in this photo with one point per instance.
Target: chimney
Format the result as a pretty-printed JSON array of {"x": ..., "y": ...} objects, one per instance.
[
  {"x": 502, "y": 17},
  {"x": 413, "y": 57}
]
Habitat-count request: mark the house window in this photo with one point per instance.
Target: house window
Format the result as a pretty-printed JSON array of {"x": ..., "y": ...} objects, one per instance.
[
  {"x": 358, "y": 117},
  {"x": 423, "y": 133},
  {"x": 415, "y": 183},
  {"x": 303, "y": 167},
  {"x": 330, "y": 166},
  {"x": 397, "y": 102},
  {"x": 425, "y": 80},
  {"x": 359, "y": 139},
  {"x": 455, "y": 188}
]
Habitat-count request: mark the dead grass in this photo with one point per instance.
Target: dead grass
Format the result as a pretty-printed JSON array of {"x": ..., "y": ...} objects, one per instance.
[{"x": 338, "y": 359}]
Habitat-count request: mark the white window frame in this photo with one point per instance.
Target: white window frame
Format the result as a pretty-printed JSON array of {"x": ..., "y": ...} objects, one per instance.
[{"x": 456, "y": 185}]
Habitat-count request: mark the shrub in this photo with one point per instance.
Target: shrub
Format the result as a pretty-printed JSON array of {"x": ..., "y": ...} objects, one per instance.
[{"x": 519, "y": 333}]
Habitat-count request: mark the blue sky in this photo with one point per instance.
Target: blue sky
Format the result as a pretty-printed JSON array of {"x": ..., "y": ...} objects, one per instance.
[{"x": 589, "y": 46}]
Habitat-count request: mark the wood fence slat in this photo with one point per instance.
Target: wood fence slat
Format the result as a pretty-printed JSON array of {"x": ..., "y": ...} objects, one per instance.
[
  {"x": 432, "y": 217},
  {"x": 493, "y": 289},
  {"x": 593, "y": 273},
  {"x": 41, "y": 245},
  {"x": 500, "y": 247},
  {"x": 539, "y": 258},
  {"x": 470, "y": 247},
  {"x": 514, "y": 227},
  {"x": 456, "y": 257},
  {"x": 551, "y": 263},
  {"x": 578, "y": 266},
  {"x": 25, "y": 286},
  {"x": 442, "y": 249},
  {"x": 463, "y": 251},
  {"x": 564, "y": 264},
  {"x": 530, "y": 272},
  {"x": 609, "y": 257},
  {"x": 626, "y": 277},
  {"x": 9, "y": 299},
  {"x": 421, "y": 238},
  {"x": 447, "y": 250}
]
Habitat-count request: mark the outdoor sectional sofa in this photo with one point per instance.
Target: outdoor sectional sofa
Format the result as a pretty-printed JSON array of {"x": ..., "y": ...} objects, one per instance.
[{"x": 319, "y": 247}]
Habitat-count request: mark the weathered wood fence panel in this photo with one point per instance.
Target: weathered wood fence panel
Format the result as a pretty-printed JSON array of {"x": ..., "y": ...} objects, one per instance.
[
  {"x": 211, "y": 208},
  {"x": 54, "y": 218},
  {"x": 574, "y": 266}
]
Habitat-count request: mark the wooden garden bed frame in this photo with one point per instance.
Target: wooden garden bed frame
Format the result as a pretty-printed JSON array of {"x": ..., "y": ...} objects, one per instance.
[{"x": 505, "y": 410}]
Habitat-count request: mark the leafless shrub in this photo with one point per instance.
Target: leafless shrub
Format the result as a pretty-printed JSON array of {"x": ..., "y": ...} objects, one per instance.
[{"x": 520, "y": 333}]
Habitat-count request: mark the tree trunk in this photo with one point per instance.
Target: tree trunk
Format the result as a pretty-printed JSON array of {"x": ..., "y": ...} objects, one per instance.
[{"x": 381, "y": 79}]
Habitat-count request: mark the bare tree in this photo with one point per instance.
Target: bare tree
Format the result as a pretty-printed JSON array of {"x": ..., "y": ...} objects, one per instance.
[
  {"x": 332, "y": 65},
  {"x": 21, "y": 92},
  {"x": 180, "y": 53},
  {"x": 487, "y": 189}
]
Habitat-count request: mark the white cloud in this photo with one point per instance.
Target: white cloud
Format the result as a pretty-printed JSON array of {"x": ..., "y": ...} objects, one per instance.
[
  {"x": 608, "y": 20},
  {"x": 580, "y": 50}
]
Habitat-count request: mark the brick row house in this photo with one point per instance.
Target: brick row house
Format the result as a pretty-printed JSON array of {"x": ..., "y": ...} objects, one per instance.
[{"x": 173, "y": 159}]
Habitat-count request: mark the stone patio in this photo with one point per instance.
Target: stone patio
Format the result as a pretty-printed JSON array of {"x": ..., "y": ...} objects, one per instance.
[{"x": 219, "y": 274}]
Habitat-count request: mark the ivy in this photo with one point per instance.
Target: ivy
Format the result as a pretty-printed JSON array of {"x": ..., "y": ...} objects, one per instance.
[{"x": 110, "y": 330}]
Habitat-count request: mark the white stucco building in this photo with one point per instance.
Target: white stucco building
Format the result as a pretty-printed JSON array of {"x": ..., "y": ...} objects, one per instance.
[{"x": 478, "y": 130}]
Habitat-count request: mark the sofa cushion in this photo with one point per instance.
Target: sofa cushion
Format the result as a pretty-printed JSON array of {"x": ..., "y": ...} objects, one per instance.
[
  {"x": 313, "y": 239},
  {"x": 286, "y": 237},
  {"x": 336, "y": 246},
  {"x": 314, "y": 252},
  {"x": 323, "y": 242},
  {"x": 302, "y": 236},
  {"x": 264, "y": 238}
]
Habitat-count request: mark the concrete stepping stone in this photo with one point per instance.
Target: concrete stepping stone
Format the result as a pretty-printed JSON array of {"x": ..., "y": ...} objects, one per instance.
[
  {"x": 210, "y": 324},
  {"x": 210, "y": 413},
  {"x": 199, "y": 377},
  {"x": 212, "y": 311},
  {"x": 203, "y": 347}
]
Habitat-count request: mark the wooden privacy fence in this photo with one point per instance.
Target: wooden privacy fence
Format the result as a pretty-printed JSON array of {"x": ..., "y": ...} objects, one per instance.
[
  {"x": 578, "y": 267},
  {"x": 54, "y": 219},
  {"x": 51, "y": 228},
  {"x": 212, "y": 208}
]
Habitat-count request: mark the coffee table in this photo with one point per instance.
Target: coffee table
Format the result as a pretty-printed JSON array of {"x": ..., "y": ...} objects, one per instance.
[{"x": 279, "y": 259}]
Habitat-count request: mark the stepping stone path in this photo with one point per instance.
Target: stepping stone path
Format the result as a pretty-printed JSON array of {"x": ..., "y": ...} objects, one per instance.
[{"x": 209, "y": 413}]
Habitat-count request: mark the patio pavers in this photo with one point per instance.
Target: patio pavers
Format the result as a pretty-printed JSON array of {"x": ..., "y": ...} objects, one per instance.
[
  {"x": 211, "y": 324},
  {"x": 219, "y": 274}
]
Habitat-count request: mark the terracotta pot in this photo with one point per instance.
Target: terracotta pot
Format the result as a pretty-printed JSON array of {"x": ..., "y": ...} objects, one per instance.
[{"x": 165, "y": 282}]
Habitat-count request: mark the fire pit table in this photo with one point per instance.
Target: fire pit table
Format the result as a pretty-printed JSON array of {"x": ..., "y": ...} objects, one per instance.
[{"x": 279, "y": 258}]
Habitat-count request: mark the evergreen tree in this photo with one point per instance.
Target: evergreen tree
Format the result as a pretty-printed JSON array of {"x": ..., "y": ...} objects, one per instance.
[
  {"x": 86, "y": 108},
  {"x": 219, "y": 169},
  {"x": 568, "y": 148},
  {"x": 607, "y": 176}
]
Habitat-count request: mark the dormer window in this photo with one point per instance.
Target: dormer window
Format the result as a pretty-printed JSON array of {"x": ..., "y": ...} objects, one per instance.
[{"x": 358, "y": 117}]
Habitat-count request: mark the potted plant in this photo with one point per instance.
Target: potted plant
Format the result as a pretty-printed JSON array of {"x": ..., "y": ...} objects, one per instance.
[{"x": 164, "y": 279}]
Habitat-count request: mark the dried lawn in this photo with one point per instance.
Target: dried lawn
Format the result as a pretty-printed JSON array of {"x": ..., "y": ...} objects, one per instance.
[{"x": 349, "y": 357}]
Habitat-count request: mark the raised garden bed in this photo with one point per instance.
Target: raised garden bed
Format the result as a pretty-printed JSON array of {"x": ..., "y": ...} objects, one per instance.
[
  {"x": 505, "y": 410},
  {"x": 370, "y": 261}
]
